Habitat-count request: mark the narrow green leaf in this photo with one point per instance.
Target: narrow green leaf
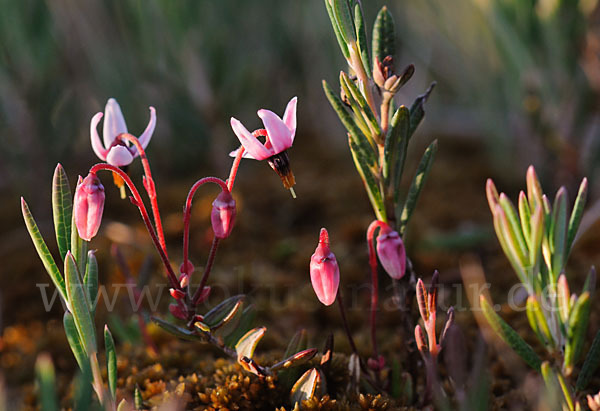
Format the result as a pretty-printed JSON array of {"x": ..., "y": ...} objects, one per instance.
[
  {"x": 508, "y": 249},
  {"x": 592, "y": 361},
  {"x": 83, "y": 389},
  {"x": 510, "y": 237},
  {"x": 78, "y": 248},
  {"x": 537, "y": 234},
  {"x": 417, "y": 185},
  {"x": 525, "y": 219},
  {"x": 361, "y": 37},
  {"x": 534, "y": 188},
  {"x": 514, "y": 226},
  {"x": 563, "y": 296},
  {"x": 396, "y": 143},
  {"x": 247, "y": 344},
  {"x": 179, "y": 332},
  {"x": 244, "y": 324},
  {"x": 510, "y": 336},
  {"x": 305, "y": 387},
  {"x": 90, "y": 280},
  {"x": 576, "y": 214},
  {"x": 541, "y": 325},
  {"x": 365, "y": 110},
  {"x": 295, "y": 360},
  {"x": 359, "y": 139},
  {"x": 298, "y": 342},
  {"x": 417, "y": 110},
  {"x": 343, "y": 15},
  {"x": 62, "y": 207},
  {"x": 74, "y": 340},
  {"x": 111, "y": 362},
  {"x": 223, "y": 312},
  {"x": 44, "y": 370},
  {"x": 138, "y": 399},
  {"x": 80, "y": 306},
  {"x": 374, "y": 191},
  {"x": 336, "y": 29},
  {"x": 554, "y": 396},
  {"x": 384, "y": 37},
  {"x": 42, "y": 250},
  {"x": 123, "y": 406},
  {"x": 576, "y": 331},
  {"x": 559, "y": 233}
]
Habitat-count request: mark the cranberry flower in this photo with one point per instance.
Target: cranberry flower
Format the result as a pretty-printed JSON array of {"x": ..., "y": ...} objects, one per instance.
[
  {"x": 279, "y": 135},
  {"x": 88, "y": 206},
  {"x": 114, "y": 151}
]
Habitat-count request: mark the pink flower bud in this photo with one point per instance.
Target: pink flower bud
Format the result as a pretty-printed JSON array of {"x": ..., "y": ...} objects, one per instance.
[
  {"x": 223, "y": 213},
  {"x": 324, "y": 271},
  {"x": 390, "y": 250},
  {"x": 178, "y": 311},
  {"x": 88, "y": 206},
  {"x": 176, "y": 294}
]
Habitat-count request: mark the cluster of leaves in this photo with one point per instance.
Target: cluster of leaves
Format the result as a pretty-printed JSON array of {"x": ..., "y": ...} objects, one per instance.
[
  {"x": 378, "y": 131},
  {"x": 537, "y": 240},
  {"x": 78, "y": 287}
]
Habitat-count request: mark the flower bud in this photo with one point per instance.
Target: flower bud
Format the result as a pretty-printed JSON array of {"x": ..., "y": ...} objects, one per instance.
[
  {"x": 223, "y": 213},
  {"x": 324, "y": 271},
  {"x": 178, "y": 311},
  {"x": 176, "y": 294},
  {"x": 88, "y": 206},
  {"x": 390, "y": 250}
]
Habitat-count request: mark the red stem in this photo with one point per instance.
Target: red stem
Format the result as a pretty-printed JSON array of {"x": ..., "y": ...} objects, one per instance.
[
  {"x": 150, "y": 188},
  {"x": 234, "y": 168},
  {"x": 209, "y": 263},
  {"x": 145, "y": 217},
  {"x": 345, "y": 322},
  {"x": 374, "y": 282}
]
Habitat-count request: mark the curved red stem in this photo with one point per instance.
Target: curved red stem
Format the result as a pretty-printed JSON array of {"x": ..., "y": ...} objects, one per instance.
[
  {"x": 374, "y": 282},
  {"x": 234, "y": 168}
]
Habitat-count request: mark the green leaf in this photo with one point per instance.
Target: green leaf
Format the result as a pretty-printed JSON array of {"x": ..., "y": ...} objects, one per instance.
[
  {"x": 295, "y": 360},
  {"x": 514, "y": 227},
  {"x": 555, "y": 395},
  {"x": 298, "y": 342},
  {"x": 62, "y": 208},
  {"x": 42, "y": 250},
  {"x": 138, "y": 399},
  {"x": 559, "y": 233},
  {"x": 336, "y": 29},
  {"x": 363, "y": 109},
  {"x": 371, "y": 182},
  {"x": 534, "y": 189},
  {"x": 359, "y": 139},
  {"x": 305, "y": 387},
  {"x": 361, "y": 36},
  {"x": 537, "y": 235},
  {"x": 510, "y": 336},
  {"x": 44, "y": 370},
  {"x": 395, "y": 146},
  {"x": 576, "y": 214},
  {"x": 538, "y": 321},
  {"x": 111, "y": 362},
  {"x": 577, "y": 329},
  {"x": 179, "y": 332},
  {"x": 343, "y": 15},
  {"x": 247, "y": 344},
  {"x": 417, "y": 110},
  {"x": 79, "y": 306},
  {"x": 525, "y": 219},
  {"x": 224, "y": 312},
  {"x": 384, "y": 37},
  {"x": 417, "y": 186},
  {"x": 90, "y": 280},
  {"x": 74, "y": 340},
  {"x": 592, "y": 361},
  {"x": 78, "y": 247},
  {"x": 244, "y": 324},
  {"x": 83, "y": 389},
  {"x": 509, "y": 243}
]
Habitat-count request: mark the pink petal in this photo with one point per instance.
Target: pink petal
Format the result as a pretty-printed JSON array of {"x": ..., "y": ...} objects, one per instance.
[
  {"x": 289, "y": 117},
  {"x": 96, "y": 143},
  {"x": 119, "y": 156},
  {"x": 279, "y": 134},
  {"x": 114, "y": 123},
  {"x": 245, "y": 155},
  {"x": 147, "y": 134},
  {"x": 250, "y": 143}
]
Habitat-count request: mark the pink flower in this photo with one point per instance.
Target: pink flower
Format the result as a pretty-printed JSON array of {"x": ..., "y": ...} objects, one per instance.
[
  {"x": 324, "y": 271},
  {"x": 390, "y": 250},
  {"x": 223, "y": 214},
  {"x": 279, "y": 136},
  {"x": 114, "y": 151},
  {"x": 88, "y": 206}
]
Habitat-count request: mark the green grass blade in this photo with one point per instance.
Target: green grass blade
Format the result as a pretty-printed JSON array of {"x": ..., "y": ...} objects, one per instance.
[
  {"x": 62, "y": 208},
  {"x": 111, "y": 361},
  {"x": 576, "y": 214},
  {"x": 384, "y": 37},
  {"x": 90, "y": 280},
  {"x": 74, "y": 340},
  {"x": 510, "y": 336},
  {"x": 417, "y": 186},
  {"x": 80, "y": 306},
  {"x": 46, "y": 378},
  {"x": 42, "y": 250},
  {"x": 361, "y": 37},
  {"x": 590, "y": 365}
]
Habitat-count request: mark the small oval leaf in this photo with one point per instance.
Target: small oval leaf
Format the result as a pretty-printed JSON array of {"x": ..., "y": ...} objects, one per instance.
[{"x": 305, "y": 387}]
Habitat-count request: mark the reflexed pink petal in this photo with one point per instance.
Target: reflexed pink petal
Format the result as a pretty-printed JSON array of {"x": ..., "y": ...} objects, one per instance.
[
  {"x": 96, "y": 143},
  {"x": 245, "y": 155},
  {"x": 114, "y": 123},
  {"x": 147, "y": 134},
  {"x": 279, "y": 134},
  {"x": 119, "y": 156},
  {"x": 289, "y": 117},
  {"x": 250, "y": 143}
]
